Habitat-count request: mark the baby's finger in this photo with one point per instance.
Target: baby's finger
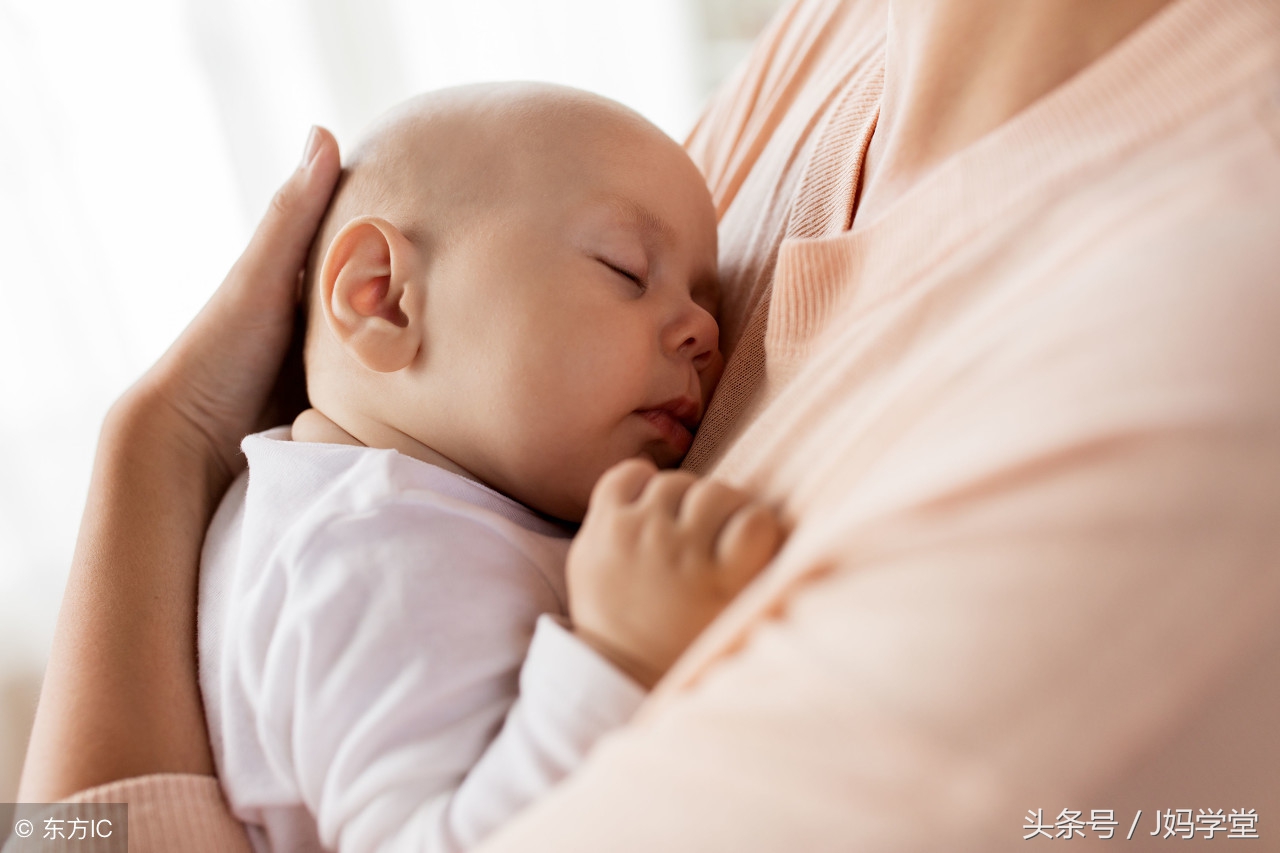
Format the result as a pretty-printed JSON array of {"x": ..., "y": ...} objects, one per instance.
[
  {"x": 748, "y": 542},
  {"x": 624, "y": 482},
  {"x": 665, "y": 492},
  {"x": 706, "y": 507}
]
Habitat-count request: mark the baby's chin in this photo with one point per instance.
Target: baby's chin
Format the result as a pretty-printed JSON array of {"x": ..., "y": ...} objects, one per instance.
[
  {"x": 566, "y": 495},
  {"x": 561, "y": 502},
  {"x": 662, "y": 455}
]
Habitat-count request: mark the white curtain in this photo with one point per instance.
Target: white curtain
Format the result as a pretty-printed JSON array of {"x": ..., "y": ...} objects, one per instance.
[{"x": 140, "y": 140}]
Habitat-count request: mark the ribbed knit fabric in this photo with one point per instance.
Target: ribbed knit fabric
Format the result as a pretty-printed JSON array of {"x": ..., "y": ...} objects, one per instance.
[
  {"x": 1026, "y": 427},
  {"x": 1122, "y": 102},
  {"x": 170, "y": 813}
]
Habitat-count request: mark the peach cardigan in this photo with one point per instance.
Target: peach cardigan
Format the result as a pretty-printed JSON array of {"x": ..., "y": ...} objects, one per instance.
[{"x": 1027, "y": 427}]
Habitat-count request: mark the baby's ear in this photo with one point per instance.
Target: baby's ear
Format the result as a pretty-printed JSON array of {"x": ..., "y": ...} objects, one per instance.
[{"x": 370, "y": 294}]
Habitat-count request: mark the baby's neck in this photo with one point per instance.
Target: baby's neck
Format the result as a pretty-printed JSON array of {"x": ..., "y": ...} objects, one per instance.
[{"x": 317, "y": 427}]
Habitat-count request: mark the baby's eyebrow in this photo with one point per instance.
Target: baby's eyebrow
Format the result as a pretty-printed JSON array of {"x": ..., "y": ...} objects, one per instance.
[{"x": 653, "y": 225}]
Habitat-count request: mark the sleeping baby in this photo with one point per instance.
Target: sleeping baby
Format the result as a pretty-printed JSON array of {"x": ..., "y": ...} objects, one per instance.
[{"x": 513, "y": 293}]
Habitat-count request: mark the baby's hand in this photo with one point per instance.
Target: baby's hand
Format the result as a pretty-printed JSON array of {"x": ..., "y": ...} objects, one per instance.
[{"x": 658, "y": 557}]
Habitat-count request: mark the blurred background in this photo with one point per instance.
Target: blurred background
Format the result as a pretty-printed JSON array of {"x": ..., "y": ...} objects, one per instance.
[{"x": 140, "y": 140}]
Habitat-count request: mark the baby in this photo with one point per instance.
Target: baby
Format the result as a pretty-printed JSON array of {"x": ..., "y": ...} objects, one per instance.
[{"x": 514, "y": 291}]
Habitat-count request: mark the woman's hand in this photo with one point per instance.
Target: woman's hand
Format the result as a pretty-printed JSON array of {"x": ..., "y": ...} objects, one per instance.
[
  {"x": 120, "y": 696},
  {"x": 223, "y": 377}
]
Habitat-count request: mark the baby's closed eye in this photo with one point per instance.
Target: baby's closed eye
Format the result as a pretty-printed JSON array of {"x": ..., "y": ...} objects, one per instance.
[{"x": 625, "y": 272}]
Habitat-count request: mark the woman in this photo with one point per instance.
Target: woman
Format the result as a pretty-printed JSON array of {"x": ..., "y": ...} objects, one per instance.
[{"x": 1000, "y": 303}]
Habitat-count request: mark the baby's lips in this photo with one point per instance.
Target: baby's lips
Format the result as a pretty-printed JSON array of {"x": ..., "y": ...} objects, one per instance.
[
  {"x": 670, "y": 429},
  {"x": 686, "y": 410}
]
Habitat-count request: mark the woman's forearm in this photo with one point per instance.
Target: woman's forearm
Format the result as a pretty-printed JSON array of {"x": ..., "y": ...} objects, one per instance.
[{"x": 118, "y": 697}]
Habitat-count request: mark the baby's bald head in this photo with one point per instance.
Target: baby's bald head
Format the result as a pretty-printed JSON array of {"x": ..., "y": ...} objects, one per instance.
[{"x": 440, "y": 161}]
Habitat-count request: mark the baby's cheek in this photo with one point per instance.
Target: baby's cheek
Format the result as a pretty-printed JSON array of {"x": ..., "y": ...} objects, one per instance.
[{"x": 710, "y": 377}]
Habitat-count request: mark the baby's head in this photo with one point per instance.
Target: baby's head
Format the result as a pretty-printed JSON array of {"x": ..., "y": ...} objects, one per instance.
[{"x": 520, "y": 278}]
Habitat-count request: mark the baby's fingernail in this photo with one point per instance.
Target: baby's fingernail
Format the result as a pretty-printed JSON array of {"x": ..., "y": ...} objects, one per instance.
[{"x": 313, "y": 145}]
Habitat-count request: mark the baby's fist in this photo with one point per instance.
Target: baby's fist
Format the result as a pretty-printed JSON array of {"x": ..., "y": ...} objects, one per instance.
[{"x": 658, "y": 557}]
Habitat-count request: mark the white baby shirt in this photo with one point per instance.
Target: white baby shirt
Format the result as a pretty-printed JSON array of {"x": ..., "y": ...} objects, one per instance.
[{"x": 366, "y": 624}]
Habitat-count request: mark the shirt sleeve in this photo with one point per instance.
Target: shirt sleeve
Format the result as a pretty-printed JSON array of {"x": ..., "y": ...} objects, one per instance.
[
  {"x": 569, "y": 698},
  {"x": 395, "y": 659}
]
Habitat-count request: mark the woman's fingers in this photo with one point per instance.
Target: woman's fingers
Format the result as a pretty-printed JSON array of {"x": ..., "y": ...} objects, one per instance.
[
  {"x": 278, "y": 249},
  {"x": 221, "y": 371}
]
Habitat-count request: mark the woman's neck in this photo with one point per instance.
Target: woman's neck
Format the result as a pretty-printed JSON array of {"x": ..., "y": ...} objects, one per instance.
[{"x": 957, "y": 69}]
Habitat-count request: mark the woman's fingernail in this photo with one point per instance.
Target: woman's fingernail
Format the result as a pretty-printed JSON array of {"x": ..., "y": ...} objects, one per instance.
[{"x": 313, "y": 145}]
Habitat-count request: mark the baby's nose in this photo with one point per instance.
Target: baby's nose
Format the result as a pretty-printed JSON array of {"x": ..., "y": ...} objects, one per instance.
[{"x": 699, "y": 336}]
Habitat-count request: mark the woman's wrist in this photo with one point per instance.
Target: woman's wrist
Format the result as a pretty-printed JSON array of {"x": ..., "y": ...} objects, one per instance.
[{"x": 148, "y": 421}]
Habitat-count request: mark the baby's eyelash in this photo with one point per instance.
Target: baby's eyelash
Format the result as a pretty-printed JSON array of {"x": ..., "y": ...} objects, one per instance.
[{"x": 635, "y": 279}]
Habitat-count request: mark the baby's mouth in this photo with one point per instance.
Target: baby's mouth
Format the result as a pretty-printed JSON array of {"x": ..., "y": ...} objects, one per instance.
[
  {"x": 685, "y": 410},
  {"x": 675, "y": 422},
  {"x": 671, "y": 431}
]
